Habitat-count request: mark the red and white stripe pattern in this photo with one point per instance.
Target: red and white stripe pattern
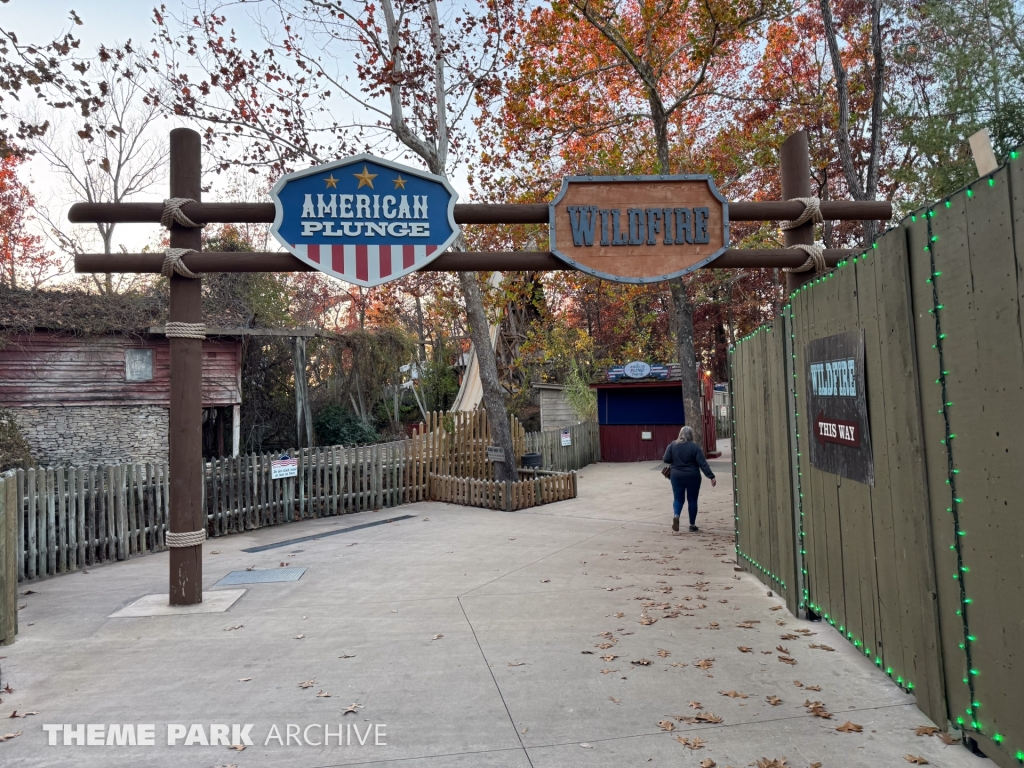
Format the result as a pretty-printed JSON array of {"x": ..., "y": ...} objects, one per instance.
[{"x": 367, "y": 264}]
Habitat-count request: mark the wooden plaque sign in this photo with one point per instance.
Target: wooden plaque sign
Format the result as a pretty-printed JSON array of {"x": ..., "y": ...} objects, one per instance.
[{"x": 639, "y": 229}]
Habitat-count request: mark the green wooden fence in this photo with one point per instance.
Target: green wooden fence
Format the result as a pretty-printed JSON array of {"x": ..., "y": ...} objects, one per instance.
[{"x": 923, "y": 572}]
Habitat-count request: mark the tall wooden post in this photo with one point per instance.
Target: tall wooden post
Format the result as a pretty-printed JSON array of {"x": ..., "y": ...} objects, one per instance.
[
  {"x": 186, "y": 416},
  {"x": 795, "y": 161}
]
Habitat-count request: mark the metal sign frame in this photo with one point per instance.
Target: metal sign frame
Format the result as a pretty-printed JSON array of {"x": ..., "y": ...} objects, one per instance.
[
  {"x": 363, "y": 157},
  {"x": 566, "y": 181}
]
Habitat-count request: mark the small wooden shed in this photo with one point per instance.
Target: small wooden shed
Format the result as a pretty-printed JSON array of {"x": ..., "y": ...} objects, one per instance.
[
  {"x": 638, "y": 418},
  {"x": 555, "y": 410}
]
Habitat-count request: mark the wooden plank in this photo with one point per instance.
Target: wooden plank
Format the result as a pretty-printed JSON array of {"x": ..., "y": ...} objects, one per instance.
[
  {"x": 10, "y": 555},
  {"x": 19, "y": 481},
  {"x": 985, "y": 381}
]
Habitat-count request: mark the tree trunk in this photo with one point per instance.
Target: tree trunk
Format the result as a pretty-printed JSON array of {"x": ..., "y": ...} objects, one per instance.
[
  {"x": 494, "y": 395},
  {"x": 682, "y": 315}
]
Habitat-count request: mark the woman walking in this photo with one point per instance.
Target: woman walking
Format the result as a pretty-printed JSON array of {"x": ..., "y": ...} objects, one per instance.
[{"x": 686, "y": 461}]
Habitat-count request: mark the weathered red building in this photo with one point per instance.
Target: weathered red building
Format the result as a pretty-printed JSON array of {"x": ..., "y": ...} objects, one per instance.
[{"x": 83, "y": 396}]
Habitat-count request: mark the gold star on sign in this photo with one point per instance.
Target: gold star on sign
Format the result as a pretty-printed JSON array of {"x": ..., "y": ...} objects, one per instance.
[
  {"x": 400, "y": 183},
  {"x": 331, "y": 181},
  {"x": 365, "y": 178}
]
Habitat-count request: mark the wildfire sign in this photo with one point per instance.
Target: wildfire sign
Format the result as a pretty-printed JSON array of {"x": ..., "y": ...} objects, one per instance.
[
  {"x": 638, "y": 229},
  {"x": 363, "y": 219},
  {"x": 838, "y": 413}
]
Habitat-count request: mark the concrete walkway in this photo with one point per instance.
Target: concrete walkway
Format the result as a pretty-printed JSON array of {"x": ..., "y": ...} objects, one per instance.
[{"x": 474, "y": 639}]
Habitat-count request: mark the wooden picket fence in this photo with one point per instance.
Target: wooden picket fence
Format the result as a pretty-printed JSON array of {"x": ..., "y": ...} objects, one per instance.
[
  {"x": 584, "y": 447},
  {"x": 73, "y": 517},
  {"x": 536, "y": 488}
]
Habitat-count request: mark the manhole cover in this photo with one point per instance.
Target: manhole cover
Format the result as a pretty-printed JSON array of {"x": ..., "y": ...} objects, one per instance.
[{"x": 261, "y": 577}]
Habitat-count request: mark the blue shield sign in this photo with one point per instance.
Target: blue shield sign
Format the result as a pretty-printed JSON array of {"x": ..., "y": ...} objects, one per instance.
[{"x": 363, "y": 219}]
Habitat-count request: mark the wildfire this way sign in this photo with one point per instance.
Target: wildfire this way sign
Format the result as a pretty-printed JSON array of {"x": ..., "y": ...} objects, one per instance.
[
  {"x": 363, "y": 219},
  {"x": 838, "y": 410},
  {"x": 638, "y": 229}
]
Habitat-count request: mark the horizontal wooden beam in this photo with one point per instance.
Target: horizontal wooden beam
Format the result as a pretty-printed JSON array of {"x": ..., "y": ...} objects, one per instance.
[
  {"x": 471, "y": 213},
  {"x": 470, "y": 261}
]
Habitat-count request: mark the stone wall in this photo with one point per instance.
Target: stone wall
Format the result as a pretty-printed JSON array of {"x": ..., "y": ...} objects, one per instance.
[{"x": 99, "y": 434}]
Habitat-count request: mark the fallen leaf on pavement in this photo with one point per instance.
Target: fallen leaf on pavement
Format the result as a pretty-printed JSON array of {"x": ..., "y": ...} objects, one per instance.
[
  {"x": 667, "y": 725},
  {"x": 696, "y": 705},
  {"x": 663, "y": 653},
  {"x": 764, "y": 762},
  {"x": 707, "y": 763},
  {"x": 926, "y": 730},
  {"x": 780, "y": 649},
  {"x": 347, "y": 656},
  {"x": 812, "y": 687},
  {"x": 849, "y": 727},
  {"x": 798, "y": 684},
  {"x": 545, "y": 581},
  {"x": 586, "y": 746},
  {"x": 678, "y": 664},
  {"x": 821, "y": 647},
  {"x": 733, "y": 694},
  {"x": 704, "y": 663},
  {"x": 915, "y": 759},
  {"x": 244, "y": 679},
  {"x": 773, "y": 700},
  {"x": 9, "y": 736},
  {"x": 747, "y": 624},
  {"x": 437, "y": 637},
  {"x": 641, "y": 662},
  {"x": 789, "y": 636},
  {"x": 817, "y": 709},
  {"x": 321, "y": 694},
  {"x": 237, "y": 747},
  {"x": 613, "y": 700},
  {"x": 609, "y": 657},
  {"x": 352, "y": 708},
  {"x": 229, "y": 629},
  {"x": 299, "y": 637},
  {"x": 608, "y": 671},
  {"x": 787, "y": 660},
  {"x": 948, "y": 739},
  {"x": 647, "y": 620},
  {"x": 23, "y": 714},
  {"x": 307, "y": 684},
  {"x": 775, "y": 608},
  {"x": 744, "y": 649}
]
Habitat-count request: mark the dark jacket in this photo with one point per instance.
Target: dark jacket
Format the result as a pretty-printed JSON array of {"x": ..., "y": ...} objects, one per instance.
[{"x": 687, "y": 459}]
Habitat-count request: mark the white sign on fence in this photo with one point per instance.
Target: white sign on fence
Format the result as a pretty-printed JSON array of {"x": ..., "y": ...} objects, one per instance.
[
  {"x": 725, "y": 411},
  {"x": 282, "y": 468},
  {"x": 495, "y": 453},
  {"x": 566, "y": 438}
]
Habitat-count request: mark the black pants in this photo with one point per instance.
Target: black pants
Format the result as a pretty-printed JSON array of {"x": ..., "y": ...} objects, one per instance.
[{"x": 685, "y": 489}]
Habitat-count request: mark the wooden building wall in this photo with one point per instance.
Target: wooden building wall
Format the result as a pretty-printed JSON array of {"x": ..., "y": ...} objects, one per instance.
[{"x": 49, "y": 369}]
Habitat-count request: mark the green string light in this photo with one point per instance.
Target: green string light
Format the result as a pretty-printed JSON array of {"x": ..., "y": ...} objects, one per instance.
[{"x": 951, "y": 475}]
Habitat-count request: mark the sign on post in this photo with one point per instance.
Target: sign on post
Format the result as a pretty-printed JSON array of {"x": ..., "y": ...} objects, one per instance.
[
  {"x": 566, "y": 438},
  {"x": 284, "y": 467},
  {"x": 364, "y": 220},
  {"x": 638, "y": 229},
  {"x": 837, "y": 411}
]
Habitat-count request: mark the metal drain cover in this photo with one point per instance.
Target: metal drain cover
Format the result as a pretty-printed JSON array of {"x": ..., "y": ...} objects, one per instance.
[{"x": 264, "y": 576}]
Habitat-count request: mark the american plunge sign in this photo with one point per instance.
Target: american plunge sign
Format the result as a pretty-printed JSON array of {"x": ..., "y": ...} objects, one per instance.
[
  {"x": 638, "y": 229},
  {"x": 363, "y": 219},
  {"x": 837, "y": 412}
]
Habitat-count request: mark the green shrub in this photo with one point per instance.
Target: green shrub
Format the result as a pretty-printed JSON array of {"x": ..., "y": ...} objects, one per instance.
[{"x": 335, "y": 425}]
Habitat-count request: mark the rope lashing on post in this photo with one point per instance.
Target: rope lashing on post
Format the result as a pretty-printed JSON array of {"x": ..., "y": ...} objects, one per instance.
[
  {"x": 173, "y": 263},
  {"x": 188, "y": 539},
  {"x": 815, "y": 258},
  {"x": 812, "y": 212},
  {"x": 185, "y": 331},
  {"x": 172, "y": 213}
]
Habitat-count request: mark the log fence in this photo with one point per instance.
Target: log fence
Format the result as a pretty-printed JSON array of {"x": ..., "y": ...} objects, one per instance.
[{"x": 69, "y": 518}]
